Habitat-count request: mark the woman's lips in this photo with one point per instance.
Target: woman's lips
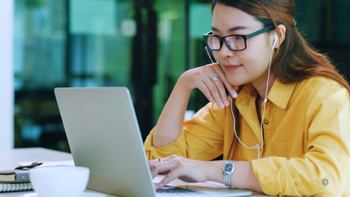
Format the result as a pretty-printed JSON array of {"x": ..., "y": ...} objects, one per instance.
[{"x": 230, "y": 67}]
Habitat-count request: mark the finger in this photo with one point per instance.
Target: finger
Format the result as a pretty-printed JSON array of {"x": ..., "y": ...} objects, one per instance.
[
  {"x": 162, "y": 168},
  {"x": 203, "y": 88},
  {"x": 153, "y": 162},
  {"x": 162, "y": 160},
  {"x": 214, "y": 91},
  {"x": 168, "y": 158},
  {"x": 222, "y": 93},
  {"x": 210, "y": 72},
  {"x": 232, "y": 89},
  {"x": 163, "y": 173},
  {"x": 169, "y": 177}
]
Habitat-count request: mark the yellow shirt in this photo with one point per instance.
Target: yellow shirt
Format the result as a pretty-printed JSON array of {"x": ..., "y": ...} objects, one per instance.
[{"x": 306, "y": 137}]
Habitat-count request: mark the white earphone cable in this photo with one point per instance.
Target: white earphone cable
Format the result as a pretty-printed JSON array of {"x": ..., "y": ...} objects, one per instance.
[{"x": 265, "y": 101}]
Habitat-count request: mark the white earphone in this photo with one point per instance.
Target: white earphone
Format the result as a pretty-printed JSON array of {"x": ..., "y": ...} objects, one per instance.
[
  {"x": 275, "y": 42},
  {"x": 265, "y": 101}
]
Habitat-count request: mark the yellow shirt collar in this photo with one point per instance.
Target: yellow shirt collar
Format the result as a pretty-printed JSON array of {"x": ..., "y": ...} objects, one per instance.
[{"x": 279, "y": 94}]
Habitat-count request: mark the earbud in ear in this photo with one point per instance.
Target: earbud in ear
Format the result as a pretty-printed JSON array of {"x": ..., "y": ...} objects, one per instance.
[{"x": 275, "y": 42}]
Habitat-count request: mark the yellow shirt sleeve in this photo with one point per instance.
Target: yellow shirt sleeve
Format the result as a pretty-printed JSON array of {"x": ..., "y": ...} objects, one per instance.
[
  {"x": 325, "y": 167},
  {"x": 202, "y": 137}
]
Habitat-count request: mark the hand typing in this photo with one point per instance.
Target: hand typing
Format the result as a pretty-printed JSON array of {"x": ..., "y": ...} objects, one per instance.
[{"x": 187, "y": 170}]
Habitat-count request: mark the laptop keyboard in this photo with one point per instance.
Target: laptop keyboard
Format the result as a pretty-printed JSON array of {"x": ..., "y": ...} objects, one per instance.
[{"x": 176, "y": 191}]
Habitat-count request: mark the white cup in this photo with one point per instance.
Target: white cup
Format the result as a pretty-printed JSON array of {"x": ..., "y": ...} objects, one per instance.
[{"x": 59, "y": 181}]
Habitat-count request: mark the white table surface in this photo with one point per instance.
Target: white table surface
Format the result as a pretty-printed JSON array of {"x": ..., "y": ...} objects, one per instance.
[{"x": 10, "y": 159}]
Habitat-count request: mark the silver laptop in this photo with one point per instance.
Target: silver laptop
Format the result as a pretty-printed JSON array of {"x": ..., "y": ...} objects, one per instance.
[{"x": 103, "y": 135}]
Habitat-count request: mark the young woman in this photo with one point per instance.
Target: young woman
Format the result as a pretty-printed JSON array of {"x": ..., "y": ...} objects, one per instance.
[{"x": 286, "y": 130}]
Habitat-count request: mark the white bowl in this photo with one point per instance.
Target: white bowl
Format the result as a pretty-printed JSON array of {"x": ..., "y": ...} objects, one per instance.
[{"x": 59, "y": 181}]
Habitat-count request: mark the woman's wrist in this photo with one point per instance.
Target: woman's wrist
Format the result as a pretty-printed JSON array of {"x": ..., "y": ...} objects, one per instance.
[
  {"x": 215, "y": 172},
  {"x": 242, "y": 177},
  {"x": 183, "y": 83}
]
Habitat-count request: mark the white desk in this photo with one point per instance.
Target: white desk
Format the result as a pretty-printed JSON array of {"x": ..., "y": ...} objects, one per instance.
[{"x": 11, "y": 158}]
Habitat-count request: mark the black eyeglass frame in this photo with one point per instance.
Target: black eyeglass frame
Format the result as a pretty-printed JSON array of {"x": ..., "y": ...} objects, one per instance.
[{"x": 245, "y": 37}]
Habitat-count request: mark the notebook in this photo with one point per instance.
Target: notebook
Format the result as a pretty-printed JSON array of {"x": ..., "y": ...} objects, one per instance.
[
  {"x": 103, "y": 135},
  {"x": 15, "y": 187},
  {"x": 14, "y": 176}
]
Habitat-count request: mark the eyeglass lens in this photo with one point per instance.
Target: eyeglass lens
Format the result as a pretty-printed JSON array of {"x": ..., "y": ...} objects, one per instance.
[{"x": 232, "y": 42}]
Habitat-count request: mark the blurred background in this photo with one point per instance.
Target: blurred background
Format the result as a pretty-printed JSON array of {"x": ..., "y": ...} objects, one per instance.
[{"x": 144, "y": 45}]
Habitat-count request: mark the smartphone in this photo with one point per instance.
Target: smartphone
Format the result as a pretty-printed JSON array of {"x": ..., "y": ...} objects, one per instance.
[{"x": 209, "y": 53}]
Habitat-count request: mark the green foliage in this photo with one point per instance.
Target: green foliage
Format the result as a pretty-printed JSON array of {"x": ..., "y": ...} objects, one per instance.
[{"x": 36, "y": 3}]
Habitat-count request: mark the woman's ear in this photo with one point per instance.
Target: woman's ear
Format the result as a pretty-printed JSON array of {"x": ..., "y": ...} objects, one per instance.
[{"x": 281, "y": 32}]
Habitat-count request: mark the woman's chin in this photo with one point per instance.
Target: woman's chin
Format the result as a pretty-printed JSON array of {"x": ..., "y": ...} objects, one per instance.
[{"x": 236, "y": 83}]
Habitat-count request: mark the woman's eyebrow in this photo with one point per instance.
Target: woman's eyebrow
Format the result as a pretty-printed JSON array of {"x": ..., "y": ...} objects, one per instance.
[{"x": 231, "y": 29}]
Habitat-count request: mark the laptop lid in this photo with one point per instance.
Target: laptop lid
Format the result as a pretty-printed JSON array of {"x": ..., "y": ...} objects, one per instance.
[{"x": 103, "y": 135}]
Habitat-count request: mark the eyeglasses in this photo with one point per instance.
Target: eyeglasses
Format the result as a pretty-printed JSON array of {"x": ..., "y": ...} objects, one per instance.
[{"x": 233, "y": 42}]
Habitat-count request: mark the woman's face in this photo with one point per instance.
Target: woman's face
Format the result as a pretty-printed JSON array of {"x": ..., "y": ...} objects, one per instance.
[{"x": 251, "y": 64}]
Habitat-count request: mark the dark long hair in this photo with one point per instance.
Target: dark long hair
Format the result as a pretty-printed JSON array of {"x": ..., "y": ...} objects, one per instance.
[{"x": 295, "y": 60}]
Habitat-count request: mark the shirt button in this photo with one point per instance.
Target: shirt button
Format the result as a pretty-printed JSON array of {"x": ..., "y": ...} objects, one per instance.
[
  {"x": 266, "y": 121},
  {"x": 325, "y": 182}
]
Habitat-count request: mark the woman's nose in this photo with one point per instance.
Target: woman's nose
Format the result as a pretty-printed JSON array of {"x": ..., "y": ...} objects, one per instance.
[{"x": 225, "y": 51}]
